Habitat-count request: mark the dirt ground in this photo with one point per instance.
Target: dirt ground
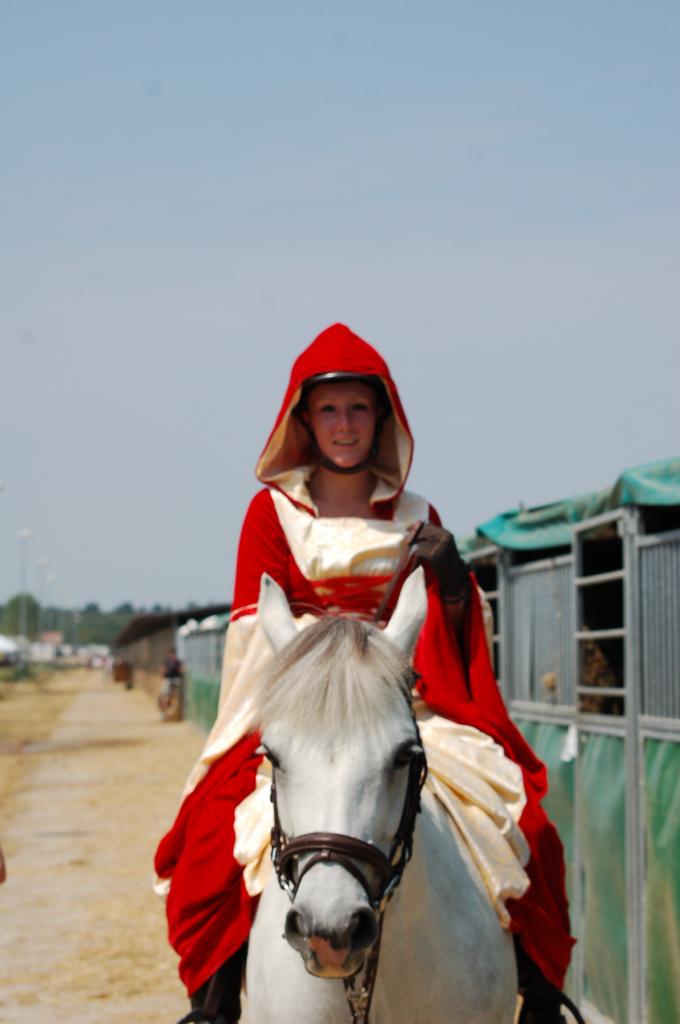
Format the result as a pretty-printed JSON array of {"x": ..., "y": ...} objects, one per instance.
[{"x": 89, "y": 781}]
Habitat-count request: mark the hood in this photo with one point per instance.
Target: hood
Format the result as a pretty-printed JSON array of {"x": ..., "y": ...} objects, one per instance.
[{"x": 288, "y": 458}]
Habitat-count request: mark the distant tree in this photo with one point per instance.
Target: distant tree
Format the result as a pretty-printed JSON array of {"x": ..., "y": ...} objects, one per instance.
[
  {"x": 126, "y": 608},
  {"x": 92, "y": 608},
  {"x": 11, "y": 615},
  {"x": 99, "y": 627}
]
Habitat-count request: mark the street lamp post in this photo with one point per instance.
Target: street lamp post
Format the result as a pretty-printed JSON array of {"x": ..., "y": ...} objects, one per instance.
[
  {"x": 52, "y": 582},
  {"x": 63, "y": 618},
  {"x": 76, "y": 627},
  {"x": 42, "y": 598},
  {"x": 24, "y": 537}
]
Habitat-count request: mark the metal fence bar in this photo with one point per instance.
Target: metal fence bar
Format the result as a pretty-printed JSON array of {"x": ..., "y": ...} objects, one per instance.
[
  {"x": 504, "y": 606},
  {"x": 488, "y": 551},
  {"x": 648, "y": 540},
  {"x": 557, "y": 714},
  {"x": 670, "y": 727},
  {"x": 600, "y": 577},
  {"x": 586, "y": 525},
  {"x": 540, "y": 565},
  {"x": 603, "y": 725},
  {"x": 602, "y": 691},
  {"x": 637, "y": 1010},
  {"x": 600, "y": 634},
  {"x": 576, "y": 909},
  {"x": 667, "y": 733}
]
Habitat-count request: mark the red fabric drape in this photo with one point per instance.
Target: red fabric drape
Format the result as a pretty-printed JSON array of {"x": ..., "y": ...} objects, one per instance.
[
  {"x": 541, "y": 917},
  {"x": 208, "y": 909}
]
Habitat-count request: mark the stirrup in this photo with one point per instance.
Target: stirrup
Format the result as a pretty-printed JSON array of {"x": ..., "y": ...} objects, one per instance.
[
  {"x": 573, "y": 1009},
  {"x": 201, "y": 1017},
  {"x": 564, "y": 1000}
]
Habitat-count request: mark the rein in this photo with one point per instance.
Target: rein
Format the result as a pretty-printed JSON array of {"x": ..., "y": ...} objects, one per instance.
[{"x": 344, "y": 850}]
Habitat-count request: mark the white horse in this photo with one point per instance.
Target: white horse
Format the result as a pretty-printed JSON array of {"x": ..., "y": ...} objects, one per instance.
[{"x": 337, "y": 726}]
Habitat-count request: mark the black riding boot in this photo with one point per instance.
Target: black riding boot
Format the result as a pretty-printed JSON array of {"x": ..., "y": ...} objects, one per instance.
[
  {"x": 541, "y": 1001},
  {"x": 218, "y": 1000}
]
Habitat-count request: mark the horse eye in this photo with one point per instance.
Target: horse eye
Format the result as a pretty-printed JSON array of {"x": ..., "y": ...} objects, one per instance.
[
  {"x": 406, "y": 753},
  {"x": 263, "y": 751}
]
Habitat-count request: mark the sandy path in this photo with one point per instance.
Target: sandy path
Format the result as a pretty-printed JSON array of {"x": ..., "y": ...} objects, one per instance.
[{"x": 81, "y": 933}]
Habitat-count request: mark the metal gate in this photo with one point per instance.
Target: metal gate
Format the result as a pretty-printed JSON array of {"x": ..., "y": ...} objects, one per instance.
[
  {"x": 589, "y": 658},
  {"x": 202, "y": 651}
]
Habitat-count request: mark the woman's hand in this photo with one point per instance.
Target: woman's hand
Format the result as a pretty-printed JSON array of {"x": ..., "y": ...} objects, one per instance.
[{"x": 436, "y": 547}]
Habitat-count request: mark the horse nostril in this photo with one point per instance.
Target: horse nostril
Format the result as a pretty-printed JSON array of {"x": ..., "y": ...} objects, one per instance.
[
  {"x": 363, "y": 930},
  {"x": 296, "y": 930}
]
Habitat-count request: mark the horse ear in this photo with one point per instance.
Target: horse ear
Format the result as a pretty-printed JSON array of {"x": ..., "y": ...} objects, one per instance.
[
  {"x": 274, "y": 613},
  {"x": 409, "y": 615}
]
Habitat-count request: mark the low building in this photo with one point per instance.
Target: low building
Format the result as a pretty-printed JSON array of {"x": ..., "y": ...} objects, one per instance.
[{"x": 146, "y": 639}]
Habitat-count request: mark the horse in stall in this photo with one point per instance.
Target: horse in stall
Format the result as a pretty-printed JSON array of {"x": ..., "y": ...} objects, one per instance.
[{"x": 339, "y": 933}]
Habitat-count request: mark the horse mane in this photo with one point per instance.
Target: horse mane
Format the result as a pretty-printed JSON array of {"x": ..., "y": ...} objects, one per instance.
[{"x": 338, "y": 676}]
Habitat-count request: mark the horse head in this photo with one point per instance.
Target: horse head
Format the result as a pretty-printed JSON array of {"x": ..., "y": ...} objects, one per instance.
[{"x": 335, "y": 712}]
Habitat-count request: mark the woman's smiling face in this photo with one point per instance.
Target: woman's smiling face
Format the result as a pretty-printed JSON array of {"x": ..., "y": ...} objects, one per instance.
[{"x": 342, "y": 416}]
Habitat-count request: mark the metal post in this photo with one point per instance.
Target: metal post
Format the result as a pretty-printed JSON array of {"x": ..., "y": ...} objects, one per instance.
[
  {"x": 576, "y": 908},
  {"x": 504, "y": 627},
  {"x": 637, "y": 1011},
  {"x": 51, "y": 582},
  {"x": 42, "y": 564},
  {"x": 24, "y": 537}
]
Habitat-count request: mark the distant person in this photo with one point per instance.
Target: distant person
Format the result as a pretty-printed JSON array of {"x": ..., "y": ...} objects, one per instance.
[
  {"x": 171, "y": 697},
  {"x": 122, "y": 672}
]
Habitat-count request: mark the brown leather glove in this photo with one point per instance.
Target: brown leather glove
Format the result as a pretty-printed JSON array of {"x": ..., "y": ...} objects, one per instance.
[{"x": 437, "y": 547}]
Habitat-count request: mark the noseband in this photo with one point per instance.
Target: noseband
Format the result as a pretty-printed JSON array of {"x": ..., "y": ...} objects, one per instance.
[{"x": 344, "y": 850}]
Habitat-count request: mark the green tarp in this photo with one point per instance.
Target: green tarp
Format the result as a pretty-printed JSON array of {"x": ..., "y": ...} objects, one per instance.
[
  {"x": 603, "y": 872},
  {"x": 547, "y": 741},
  {"x": 201, "y": 701},
  {"x": 550, "y": 526},
  {"x": 662, "y": 904},
  {"x": 603, "y": 865}
]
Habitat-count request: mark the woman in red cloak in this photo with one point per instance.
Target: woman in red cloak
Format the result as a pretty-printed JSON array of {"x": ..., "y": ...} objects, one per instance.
[{"x": 330, "y": 527}]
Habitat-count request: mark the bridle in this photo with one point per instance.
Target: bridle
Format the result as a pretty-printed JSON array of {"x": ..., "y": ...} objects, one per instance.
[
  {"x": 344, "y": 850},
  {"x": 333, "y": 847}
]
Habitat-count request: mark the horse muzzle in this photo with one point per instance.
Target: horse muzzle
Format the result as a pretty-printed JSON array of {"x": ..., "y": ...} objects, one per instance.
[{"x": 330, "y": 952}]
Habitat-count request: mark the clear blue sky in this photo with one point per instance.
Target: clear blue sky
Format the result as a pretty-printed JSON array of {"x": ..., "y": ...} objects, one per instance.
[{"x": 190, "y": 192}]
